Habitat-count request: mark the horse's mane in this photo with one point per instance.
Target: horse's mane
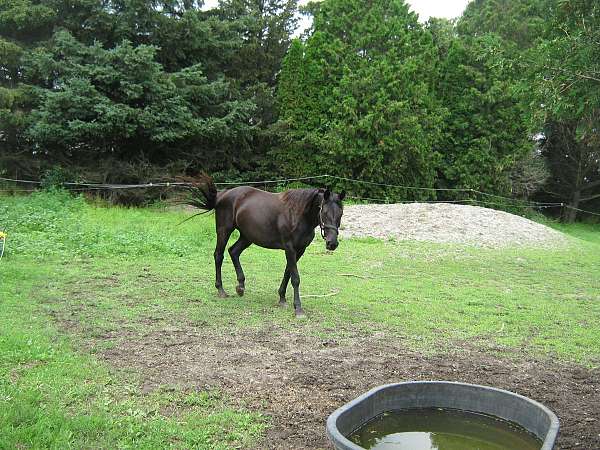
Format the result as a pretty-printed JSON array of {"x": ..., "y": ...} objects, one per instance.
[{"x": 298, "y": 202}]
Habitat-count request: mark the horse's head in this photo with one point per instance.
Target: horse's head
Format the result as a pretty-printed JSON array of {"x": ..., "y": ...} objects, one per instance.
[{"x": 330, "y": 216}]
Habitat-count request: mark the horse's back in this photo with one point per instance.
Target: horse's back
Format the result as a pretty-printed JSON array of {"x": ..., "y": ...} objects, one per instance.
[{"x": 241, "y": 196}]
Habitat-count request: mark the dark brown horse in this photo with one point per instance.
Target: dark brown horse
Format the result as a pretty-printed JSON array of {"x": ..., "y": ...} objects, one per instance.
[{"x": 285, "y": 221}]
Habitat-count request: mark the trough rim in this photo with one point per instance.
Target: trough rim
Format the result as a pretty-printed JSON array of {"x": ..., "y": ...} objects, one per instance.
[{"x": 338, "y": 438}]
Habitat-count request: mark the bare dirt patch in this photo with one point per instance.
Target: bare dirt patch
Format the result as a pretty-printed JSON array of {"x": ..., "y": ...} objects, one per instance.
[
  {"x": 446, "y": 223},
  {"x": 298, "y": 380}
]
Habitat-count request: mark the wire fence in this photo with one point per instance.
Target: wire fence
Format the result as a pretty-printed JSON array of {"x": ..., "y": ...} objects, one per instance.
[{"x": 514, "y": 203}]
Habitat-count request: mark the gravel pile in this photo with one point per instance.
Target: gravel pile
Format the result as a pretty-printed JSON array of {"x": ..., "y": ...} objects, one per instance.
[{"x": 446, "y": 223}]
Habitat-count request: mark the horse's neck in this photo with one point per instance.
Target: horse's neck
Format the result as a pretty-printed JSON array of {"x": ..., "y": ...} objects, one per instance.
[{"x": 311, "y": 216}]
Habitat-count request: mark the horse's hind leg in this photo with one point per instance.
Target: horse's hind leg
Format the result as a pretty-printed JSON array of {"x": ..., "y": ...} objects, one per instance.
[
  {"x": 283, "y": 287},
  {"x": 235, "y": 251},
  {"x": 223, "y": 233}
]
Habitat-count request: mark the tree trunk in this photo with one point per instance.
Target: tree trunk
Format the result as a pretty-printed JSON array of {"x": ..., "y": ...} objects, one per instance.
[{"x": 570, "y": 213}]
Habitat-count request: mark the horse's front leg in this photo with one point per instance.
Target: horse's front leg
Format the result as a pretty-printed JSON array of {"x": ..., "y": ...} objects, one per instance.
[
  {"x": 292, "y": 267},
  {"x": 286, "y": 279}
]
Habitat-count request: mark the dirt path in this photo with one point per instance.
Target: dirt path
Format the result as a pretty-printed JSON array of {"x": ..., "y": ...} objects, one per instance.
[{"x": 299, "y": 380}]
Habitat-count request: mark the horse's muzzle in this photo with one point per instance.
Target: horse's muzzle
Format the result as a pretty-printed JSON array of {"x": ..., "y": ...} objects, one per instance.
[{"x": 331, "y": 245}]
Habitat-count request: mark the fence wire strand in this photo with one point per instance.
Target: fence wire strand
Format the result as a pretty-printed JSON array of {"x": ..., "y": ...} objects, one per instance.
[{"x": 285, "y": 181}]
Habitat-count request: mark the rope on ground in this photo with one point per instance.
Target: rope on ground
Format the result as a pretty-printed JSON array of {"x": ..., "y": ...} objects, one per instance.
[
  {"x": 331, "y": 294},
  {"x": 367, "y": 277},
  {"x": 353, "y": 275}
]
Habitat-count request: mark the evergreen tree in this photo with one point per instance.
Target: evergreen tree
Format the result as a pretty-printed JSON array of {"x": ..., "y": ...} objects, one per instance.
[
  {"x": 519, "y": 22},
  {"x": 265, "y": 28},
  {"x": 486, "y": 129},
  {"x": 565, "y": 78},
  {"x": 482, "y": 82},
  {"x": 120, "y": 103},
  {"x": 368, "y": 109},
  {"x": 133, "y": 80}
]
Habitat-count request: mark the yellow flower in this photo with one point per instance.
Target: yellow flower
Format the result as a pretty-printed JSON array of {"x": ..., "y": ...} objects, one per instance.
[{"x": 2, "y": 235}]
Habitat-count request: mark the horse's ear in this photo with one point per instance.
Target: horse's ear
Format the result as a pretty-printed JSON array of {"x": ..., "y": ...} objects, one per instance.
[
  {"x": 342, "y": 196},
  {"x": 326, "y": 193}
]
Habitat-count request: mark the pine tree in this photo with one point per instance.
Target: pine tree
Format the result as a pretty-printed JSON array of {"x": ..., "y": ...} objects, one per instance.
[
  {"x": 486, "y": 131},
  {"x": 367, "y": 109}
]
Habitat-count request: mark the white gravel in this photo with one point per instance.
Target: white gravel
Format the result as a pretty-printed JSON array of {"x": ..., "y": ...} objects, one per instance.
[{"x": 446, "y": 223}]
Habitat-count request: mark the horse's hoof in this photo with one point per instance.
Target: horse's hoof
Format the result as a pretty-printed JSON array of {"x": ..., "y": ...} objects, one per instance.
[
  {"x": 240, "y": 291},
  {"x": 222, "y": 294},
  {"x": 300, "y": 314},
  {"x": 282, "y": 304}
]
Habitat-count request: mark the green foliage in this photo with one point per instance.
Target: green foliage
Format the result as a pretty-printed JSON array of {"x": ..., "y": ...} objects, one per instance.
[
  {"x": 567, "y": 61},
  {"x": 140, "y": 81},
  {"x": 529, "y": 175},
  {"x": 111, "y": 101},
  {"x": 565, "y": 91},
  {"x": 552, "y": 47},
  {"x": 519, "y": 22},
  {"x": 10, "y": 54},
  {"x": 373, "y": 95},
  {"x": 357, "y": 100},
  {"x": 131, "y": 90},
  {"x": 25, "y": 19},
  {"x": 486, "y": 129},
  {"x": 54, "y": 178},
  {"x": 443, "y": 32},
  {"x": 266, "y": 26}
]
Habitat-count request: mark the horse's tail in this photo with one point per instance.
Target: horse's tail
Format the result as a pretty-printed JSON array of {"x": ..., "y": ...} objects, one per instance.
[{"x": 203, "y": 193}]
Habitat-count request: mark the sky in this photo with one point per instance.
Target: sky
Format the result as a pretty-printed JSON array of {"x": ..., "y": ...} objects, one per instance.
[
  {"x": 438, "y": 8},
  {"x": 425, "y": 8}
]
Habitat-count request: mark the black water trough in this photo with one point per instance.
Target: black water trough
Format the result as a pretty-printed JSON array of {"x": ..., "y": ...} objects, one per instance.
[{"x": 531, "y": 415}]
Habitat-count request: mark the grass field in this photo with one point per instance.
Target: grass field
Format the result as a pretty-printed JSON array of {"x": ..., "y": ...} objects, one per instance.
[{"x": 135, "y": 269}]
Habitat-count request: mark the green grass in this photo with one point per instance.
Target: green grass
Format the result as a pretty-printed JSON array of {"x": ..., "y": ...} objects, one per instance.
[
  {"x": 54, "y": 397},
  {"x": 583, "y": 231},
  {"x": 135, "y": 269}
]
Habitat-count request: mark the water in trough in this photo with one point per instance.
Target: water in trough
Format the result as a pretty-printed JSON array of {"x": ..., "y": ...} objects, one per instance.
[{"x": 442, "y": 429}]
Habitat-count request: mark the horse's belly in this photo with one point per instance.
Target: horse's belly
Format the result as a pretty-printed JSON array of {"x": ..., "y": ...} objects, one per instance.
[
  {"x": 260, "y": 239},
  {"x": 259, "y": 229}
]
